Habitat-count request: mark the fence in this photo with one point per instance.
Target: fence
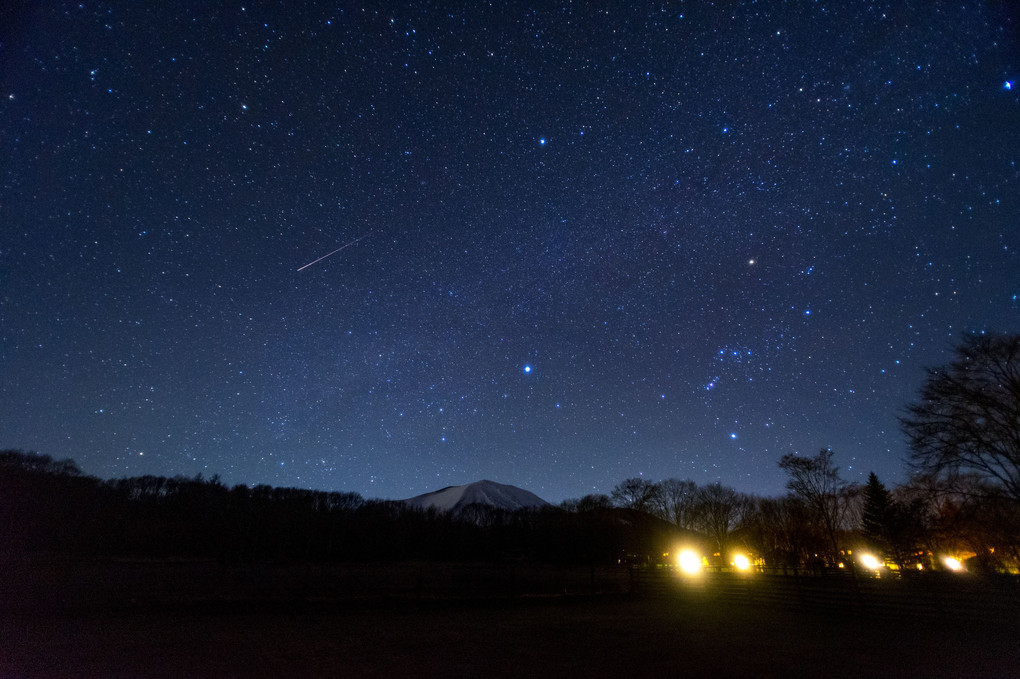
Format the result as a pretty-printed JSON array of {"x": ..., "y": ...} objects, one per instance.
[
  {"x": 955, "y": 596},
  {"x": 69, "y": 584}
]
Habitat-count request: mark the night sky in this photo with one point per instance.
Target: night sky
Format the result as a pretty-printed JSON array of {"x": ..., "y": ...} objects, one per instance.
[{"x": 575, "y": 246}]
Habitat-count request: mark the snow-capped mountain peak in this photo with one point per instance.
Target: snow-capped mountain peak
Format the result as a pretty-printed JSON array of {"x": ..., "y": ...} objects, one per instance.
[{"x": 455, "y": 498}]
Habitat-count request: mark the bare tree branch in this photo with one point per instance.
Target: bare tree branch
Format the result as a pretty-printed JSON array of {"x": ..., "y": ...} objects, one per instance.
[{"x": 967, "y": 420}]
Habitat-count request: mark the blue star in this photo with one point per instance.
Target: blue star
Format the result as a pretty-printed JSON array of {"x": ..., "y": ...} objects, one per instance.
[
  {"x": 541, "y": 141},
  {"x": 1008, "y": 85},
  {"x": 527, "y": 369},
  {"x": 733, "y": 435}
]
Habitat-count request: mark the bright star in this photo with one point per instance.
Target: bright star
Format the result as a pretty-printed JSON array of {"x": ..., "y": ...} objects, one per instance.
[
  {"x": 541, "y": 142},
  {"x": 527, "y": 368},
  {"x": 733, "y": 435},
  {"x": 1008, "y": 85}
]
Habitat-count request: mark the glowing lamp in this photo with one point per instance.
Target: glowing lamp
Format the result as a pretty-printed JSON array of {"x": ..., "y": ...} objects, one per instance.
[
  {"x": 952, "y": 564},
  {"x": 741, "y": 562},
  {"x": 870, "y": 562},
  {"x": 689, "y": 562}
]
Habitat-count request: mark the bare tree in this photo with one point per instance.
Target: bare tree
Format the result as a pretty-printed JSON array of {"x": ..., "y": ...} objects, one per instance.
[
  {"x": 968, "y": 416},
  {"x": 778, "y": 529},
  {"x": 589, "y": 503},
  {"x": 816, "y": 481},
  {"x": 718, "y": 509},
  {"x": 962, "y": 516},
  {"x": 676, "y": 502},
  {"x": 636, "y": 493}
]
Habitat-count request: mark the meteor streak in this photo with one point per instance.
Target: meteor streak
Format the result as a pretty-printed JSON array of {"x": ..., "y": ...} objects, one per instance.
[{"x": 334, "y": 252}]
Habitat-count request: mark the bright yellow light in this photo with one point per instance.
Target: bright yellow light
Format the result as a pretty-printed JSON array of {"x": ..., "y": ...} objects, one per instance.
[
  {"x": 870, "y": 562},
  {"x": 689, "y": 562},
  {"x": 952, "y": 564},
  {"x": 741, "y": 562}
]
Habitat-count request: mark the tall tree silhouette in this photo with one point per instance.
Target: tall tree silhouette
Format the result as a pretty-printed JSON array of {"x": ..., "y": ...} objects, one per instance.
[
  {"x": 718, "y": 508},
  {"x": 636, "y": 493},
  {"x": 817, "y": 483},
  {"x": 885, "y": 523},
  {"x": 676, "y": 502},
  {"x": 967, "y": 420}
]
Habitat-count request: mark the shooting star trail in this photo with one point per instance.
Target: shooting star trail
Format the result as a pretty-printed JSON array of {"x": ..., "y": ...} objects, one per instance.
[{"x": 334, "y": 252}]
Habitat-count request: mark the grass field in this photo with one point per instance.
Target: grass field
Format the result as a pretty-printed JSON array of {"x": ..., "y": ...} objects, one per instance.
[
  {"x": 103, "y": 618},
  {"x": 603, "y": 636}
]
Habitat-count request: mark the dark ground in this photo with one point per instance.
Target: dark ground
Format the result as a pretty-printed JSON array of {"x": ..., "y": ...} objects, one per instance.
[{"x": 602, "y": 636}]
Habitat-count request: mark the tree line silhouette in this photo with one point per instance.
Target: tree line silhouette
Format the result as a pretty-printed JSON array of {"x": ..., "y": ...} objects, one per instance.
[
  {"x": 961, "y": 499},
  {"x": 50, "y": 506}
]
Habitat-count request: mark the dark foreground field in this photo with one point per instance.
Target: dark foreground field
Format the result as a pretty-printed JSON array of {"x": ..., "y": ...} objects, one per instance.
[
  {"x": 604, "y": 636},
  {"x": 676, "y": 633}
]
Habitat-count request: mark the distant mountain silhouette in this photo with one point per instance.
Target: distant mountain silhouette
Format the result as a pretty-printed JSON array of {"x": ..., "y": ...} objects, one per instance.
[{"x": 454, "y": 499}]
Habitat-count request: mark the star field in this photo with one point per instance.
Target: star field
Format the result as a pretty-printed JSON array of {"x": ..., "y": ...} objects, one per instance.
[{"x": 558, "y": 246}]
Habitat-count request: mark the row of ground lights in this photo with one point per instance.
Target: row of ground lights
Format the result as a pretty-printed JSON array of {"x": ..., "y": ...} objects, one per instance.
[{"x": 691, "y": 562}]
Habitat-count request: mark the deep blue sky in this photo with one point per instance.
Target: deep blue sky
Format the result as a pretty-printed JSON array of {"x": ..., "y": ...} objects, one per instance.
[{"x": 716, "y": 234}]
